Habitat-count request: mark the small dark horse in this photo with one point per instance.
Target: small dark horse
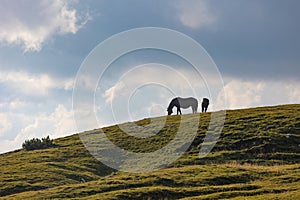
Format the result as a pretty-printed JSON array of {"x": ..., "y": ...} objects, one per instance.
[
  {"x": 179, "y": 102},
  {"x": 205, "y": 103}
]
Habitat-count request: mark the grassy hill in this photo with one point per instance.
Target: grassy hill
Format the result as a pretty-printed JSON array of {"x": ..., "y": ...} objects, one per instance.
[{"x": 256, "y": 157}]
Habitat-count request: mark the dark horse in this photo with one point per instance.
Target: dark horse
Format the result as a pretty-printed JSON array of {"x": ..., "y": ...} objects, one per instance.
[
  {"x": 205, "y": 103},
  {"x": 179, "y": 102}
]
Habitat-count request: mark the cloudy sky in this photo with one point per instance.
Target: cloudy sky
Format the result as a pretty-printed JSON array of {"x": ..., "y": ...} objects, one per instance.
[{"x": 255, "y": 45}]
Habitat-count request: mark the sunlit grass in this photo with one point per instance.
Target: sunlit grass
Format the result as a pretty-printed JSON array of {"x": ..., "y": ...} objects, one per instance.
[{"x": 256, "y": 157}]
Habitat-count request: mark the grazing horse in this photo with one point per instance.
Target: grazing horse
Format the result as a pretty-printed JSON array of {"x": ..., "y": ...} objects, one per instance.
[
  {"x": 179, "y": 102},
  {"x": 205, "y": 103}
]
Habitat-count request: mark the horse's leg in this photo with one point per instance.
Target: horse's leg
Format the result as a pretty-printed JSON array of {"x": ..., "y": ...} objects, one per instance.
[
  {"x": 195, "y": 108},
  {"x": 178, "y": 110}
]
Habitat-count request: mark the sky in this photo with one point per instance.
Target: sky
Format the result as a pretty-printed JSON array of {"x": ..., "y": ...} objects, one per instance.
[{"x": 254, "y": 44}]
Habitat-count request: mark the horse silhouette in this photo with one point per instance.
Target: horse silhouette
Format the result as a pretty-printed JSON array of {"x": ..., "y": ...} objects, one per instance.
[
  {"x": 205, "y": 103},
  {"x": 179, "y": 102}
]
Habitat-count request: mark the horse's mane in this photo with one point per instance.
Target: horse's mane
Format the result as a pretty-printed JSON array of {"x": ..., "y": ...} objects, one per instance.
[{"x": 172, "y": 103}]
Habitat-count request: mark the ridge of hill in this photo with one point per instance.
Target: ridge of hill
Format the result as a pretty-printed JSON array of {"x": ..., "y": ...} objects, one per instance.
[{"x": 257, "y": 156}]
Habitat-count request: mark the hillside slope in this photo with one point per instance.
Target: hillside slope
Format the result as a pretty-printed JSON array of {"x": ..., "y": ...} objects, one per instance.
[{"x": 257, "y": 156}]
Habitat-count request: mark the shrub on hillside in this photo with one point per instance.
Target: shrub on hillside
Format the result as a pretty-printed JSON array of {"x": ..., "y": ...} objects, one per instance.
[{"x": 37, "y": 143}]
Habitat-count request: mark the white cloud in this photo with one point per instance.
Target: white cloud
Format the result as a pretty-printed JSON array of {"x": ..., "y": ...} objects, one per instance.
[
  {"x": 59, "y": 123},
  {"x": 110, "y": 93},
  {"x": 293, "y": 90},
  {"x": 195, "y": 13},
  {"x": 5, "y": 124},
  {"x": 13, "y": 105},
  {"x": 68, "y": 84},
  {"x": 30, "y": 23},
  {"x": 245, "y": 94},
  {"x": 156, "y": 110},
  {"x": 143, "y": 76},
  {"x": 33, "y": 84},
  {"x": 178, "y": 82}
]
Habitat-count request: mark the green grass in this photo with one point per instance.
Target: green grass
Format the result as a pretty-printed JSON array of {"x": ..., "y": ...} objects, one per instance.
[{"x": 256, "y": 157}]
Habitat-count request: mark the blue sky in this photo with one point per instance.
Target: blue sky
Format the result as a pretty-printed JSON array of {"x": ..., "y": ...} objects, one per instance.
[{"x": 255, "y": 45}]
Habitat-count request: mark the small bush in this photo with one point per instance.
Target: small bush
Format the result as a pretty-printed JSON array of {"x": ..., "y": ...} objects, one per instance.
[{"x": 37, "y": 143}]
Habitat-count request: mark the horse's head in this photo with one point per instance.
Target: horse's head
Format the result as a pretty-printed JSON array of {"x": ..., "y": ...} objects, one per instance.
[{"x": 170, "y": 111}]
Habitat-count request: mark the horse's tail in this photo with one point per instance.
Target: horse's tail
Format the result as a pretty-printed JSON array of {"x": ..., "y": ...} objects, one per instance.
[{"x": 195, "y": 106}]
